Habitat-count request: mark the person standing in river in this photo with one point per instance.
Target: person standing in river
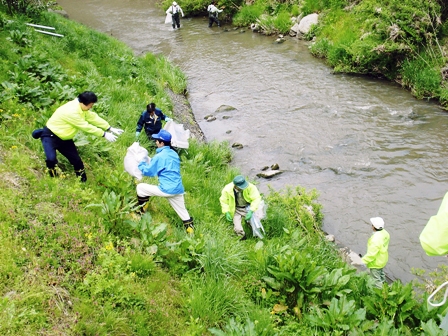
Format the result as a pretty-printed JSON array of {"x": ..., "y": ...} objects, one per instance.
[
  {"x": 377, "y": 256},
  {"x": 213, "y": 14},
  {"x": 151, "y": 121},
  {"x": 175, "y": 12}
]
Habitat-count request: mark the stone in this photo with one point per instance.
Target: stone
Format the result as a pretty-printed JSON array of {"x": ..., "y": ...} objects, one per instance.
[
  {"x": 228, "y": 132},
  {"x": 210, "y": 117},
  {"x": 265, "y": 168},
  {"x": 224, "y": 108},
  {"x": 269, "y": 173},
  {"x": 275, "y": 166},
  {"x": 306, "y": 22},
  {"x": 330, "y": 238},
  {"x": 237, "y": 145},
  {"x": 226, "y": 117}
]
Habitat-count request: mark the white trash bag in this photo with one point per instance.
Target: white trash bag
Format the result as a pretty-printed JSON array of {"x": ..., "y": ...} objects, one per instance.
[
  {"x": 168, "y": 18},
  {"x": 255, "y": 220},
  {"x": 134, "y": 155},
  {"x": 179, "y": 136}
]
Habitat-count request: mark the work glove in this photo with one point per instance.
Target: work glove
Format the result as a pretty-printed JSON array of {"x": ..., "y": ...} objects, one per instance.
[
  {"x": 249, "y": 215},
  {"x": 168, "y": 119},
  {"x": 117, "y": 131},
  {"x": 229, "y": 217},
  {"x": 110, "y": 137}
]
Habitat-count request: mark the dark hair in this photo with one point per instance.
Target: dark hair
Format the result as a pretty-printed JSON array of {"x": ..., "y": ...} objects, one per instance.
[
  {"x": 87, "y": 97},
  {"x": 165, "y": 143},
  {"x": 150, "y": 107}
]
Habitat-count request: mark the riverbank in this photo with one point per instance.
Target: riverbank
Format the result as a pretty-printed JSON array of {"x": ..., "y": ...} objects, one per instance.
[{"x": 85, "y": 266}]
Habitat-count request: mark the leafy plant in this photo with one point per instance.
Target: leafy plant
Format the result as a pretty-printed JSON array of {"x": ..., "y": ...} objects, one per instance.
[
  {"x": 21, "y": 38},
  {"x": 115, "y": 209},
  {"x": 340, "y": 316},
  {"x": 395, "y": 302}
]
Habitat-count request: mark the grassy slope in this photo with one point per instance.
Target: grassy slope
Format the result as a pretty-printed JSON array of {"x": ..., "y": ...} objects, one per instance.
[{"x": 72, "y": 259}]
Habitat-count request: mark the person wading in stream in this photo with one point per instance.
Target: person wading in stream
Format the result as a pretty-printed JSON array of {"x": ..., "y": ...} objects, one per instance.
[
  {"x": 213, "y": 14},
  {"x": 166, "y": 166},
  {"x": 62, "y": 127},
  {"x": 239, "y": 199},
  {"x": 174, "y": 10}
]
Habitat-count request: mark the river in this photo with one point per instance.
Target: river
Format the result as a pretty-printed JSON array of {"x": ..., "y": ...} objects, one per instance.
[{"x": 366, "y": 145}]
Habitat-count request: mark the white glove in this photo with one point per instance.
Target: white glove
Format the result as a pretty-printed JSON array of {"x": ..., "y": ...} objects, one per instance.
[
  {"x": 117, "y": 131},
  {"x": 110, "y": 137},
  {"x": 168, "y": 119}
]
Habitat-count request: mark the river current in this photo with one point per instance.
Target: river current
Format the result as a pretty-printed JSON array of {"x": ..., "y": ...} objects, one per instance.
[{"x": 366, "y": 145}]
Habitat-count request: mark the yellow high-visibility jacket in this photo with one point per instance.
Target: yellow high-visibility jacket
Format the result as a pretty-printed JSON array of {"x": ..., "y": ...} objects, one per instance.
[
  {"x": 250, "y": 194},
  {"x": 377, "y": 255},
  {"x": 69, "y": 118}
]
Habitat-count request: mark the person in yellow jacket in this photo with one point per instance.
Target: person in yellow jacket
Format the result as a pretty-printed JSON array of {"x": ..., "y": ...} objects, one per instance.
[
  {"x": 377, "y": 256},
  {"x": 62, "y": 127},
  {"x": 239, "y": 199}
]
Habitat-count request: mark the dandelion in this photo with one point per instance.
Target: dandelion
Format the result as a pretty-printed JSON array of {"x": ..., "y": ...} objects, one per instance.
[
  {"x": 15, "y": 115},
  {"x": 13, "y": 147},
  {"x": 109, "y": 246}
]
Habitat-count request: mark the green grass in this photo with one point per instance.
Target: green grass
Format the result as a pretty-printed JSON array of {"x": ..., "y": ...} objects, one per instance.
[{"x": 73, "y": 260}]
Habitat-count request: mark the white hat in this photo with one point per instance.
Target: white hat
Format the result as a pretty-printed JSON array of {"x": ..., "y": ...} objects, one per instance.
[
  {"x": 377, "y": 222},
  {"x": 174, "y": 3}
]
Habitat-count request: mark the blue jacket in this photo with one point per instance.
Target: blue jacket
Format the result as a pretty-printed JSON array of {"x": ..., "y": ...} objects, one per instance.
[
  {"x": 166, "y": 166},
  {"x": 151, "y": 125}
]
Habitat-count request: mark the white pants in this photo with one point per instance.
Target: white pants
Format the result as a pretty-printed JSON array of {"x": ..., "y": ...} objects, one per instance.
[
  {"x": 176, "y": 201},
  {"x": 240, "y": 213}
]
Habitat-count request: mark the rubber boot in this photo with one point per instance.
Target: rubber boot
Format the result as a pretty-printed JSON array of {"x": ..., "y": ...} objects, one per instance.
[
  {"x": 82, "y": 174},
  {"x": 53, "y": 172},
  {"x": 143, "y": 202},
  {"x": 188, "y": 225}
]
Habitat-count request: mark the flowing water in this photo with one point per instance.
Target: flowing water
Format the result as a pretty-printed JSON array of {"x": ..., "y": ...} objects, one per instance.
[{"x": 366, "y": 145}]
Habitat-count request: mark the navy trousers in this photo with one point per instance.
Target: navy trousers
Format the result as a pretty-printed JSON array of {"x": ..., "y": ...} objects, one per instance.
[
  {"x": 212, "y": 18},
  {"x": 51, "y": 142}
]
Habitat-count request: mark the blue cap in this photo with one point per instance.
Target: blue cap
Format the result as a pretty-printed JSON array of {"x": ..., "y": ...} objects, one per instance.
[
  {"x": 162, "y": 135},
  {"x": 240, "y": 182}
]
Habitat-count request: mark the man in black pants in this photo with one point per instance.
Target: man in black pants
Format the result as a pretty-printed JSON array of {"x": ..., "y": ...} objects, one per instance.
[
  {"x": 213, "y": 14},
  {"x": 174, "y": 10},
  {"x": 62, "y": 127}
]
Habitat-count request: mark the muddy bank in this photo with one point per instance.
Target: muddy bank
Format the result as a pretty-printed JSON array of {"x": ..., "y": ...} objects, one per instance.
[{"x": 183, "y": 114}]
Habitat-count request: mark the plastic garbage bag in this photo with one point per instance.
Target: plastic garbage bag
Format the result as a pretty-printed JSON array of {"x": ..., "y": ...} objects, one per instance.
[
  {"x": 255, "y": 220},
  {"x": 434, "y": 237},
  {"x": 179, "y": 136},
  {"x": 134, "y": 155},
  {"x": 168, "y": 18},
  {"x": 257, "y": 227},
  {"x": 261, "y": 211}
]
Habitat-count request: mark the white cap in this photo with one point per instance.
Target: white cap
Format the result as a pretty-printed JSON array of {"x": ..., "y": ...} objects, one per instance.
[
  {"x": 174, "y": 3},
  {"x": 377, "y": 222}
]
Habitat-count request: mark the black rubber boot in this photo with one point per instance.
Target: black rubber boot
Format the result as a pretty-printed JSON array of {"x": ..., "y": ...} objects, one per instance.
[
  {"x": 188, "y": 225},
  {"x": 142, "y": 201},
  {"x": 82, "y": 174},
  {"x": 53, "y": 172}
]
